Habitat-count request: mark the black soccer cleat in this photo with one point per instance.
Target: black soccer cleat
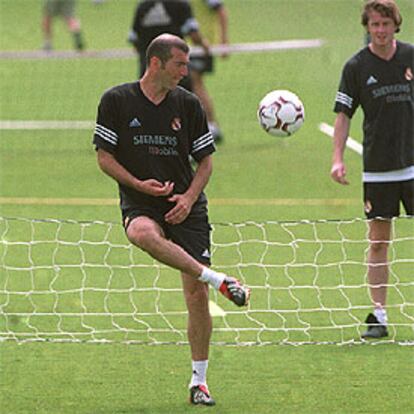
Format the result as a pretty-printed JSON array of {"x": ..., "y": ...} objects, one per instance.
[
  {"x": 199, "y": 395},
  {"x": 375, "y": 330},
  {"x": 233, "y": 290},
  {"x": 79, "y": 43}
]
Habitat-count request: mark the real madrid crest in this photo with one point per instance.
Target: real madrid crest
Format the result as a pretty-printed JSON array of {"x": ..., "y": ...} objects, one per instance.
[
  {"x": 367, "y": 206},
  {"x": 176, "y": 124}
]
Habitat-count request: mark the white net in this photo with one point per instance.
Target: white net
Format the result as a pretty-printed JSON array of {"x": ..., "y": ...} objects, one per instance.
[{"x": 82, "y": 281}]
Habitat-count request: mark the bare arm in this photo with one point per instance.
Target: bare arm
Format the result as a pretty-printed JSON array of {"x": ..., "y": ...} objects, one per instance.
[
  {"x": 341, "y": 132},
  {"x": 223, "y": 23},
  {"x": 110, "y": 166},
  {"x": 199, "y": 40},
  {"x": 184, "y": 202}
]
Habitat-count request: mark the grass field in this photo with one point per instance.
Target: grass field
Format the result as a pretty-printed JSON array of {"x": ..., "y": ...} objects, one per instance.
[{"x": 51, "y": 173}]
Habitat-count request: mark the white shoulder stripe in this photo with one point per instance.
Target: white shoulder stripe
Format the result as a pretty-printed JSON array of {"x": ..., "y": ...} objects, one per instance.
[
  {"x": 202, "y": 142},
  {"x": 103, "y": 133},
  {"x": 107, "y": 131},
  {"x": 105, "y": 138},
  {"x": 344, "y": 99},
  {"x": 202, "y": 138},
  {"x": 344, "y": 103},
  {"x": 344, "y": 96}
]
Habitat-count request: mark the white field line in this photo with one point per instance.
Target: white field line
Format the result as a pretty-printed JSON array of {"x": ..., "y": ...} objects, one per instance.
[
  {"x": 38, "y": 125},
  {"x": 257, "y": 47},
  {"x": 350, "y": 142},
  {"x": 260, "y": 47},
  {"x": 39, "y": 201}
]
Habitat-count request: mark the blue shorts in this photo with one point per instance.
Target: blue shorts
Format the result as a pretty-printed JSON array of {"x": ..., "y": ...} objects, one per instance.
[{"x": 193, "y": 234}]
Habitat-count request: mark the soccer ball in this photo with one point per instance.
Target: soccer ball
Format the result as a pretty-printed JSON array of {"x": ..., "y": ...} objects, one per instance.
[{"x": 281, "y": 113}]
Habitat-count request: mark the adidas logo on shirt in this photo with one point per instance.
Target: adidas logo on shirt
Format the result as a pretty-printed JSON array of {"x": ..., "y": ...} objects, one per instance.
[
  {"x": 371, "y": 80},
  {"x": 206, "y": 254},
  {"x": 135, "y": 123},
  {"x": 156, "y": 16}
]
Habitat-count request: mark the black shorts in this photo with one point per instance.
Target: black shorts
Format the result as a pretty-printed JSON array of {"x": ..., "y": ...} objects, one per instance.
[
  {"x": 193, "y": 234},
  {"x": 383, "y": 199},
  {"x": 202, "y": 64}
]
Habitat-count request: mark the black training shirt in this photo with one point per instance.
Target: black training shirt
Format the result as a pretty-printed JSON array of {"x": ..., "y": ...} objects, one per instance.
[
  {"x": 153, "y": 141},
  {"x": 154, "y": 17},
  {"x": 385, "y": 91}
]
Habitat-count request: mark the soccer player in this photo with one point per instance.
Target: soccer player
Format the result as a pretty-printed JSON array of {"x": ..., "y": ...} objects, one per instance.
[
  {"x": 379, "y": 78},
  {"x": 213, "y": 19},
  {"x": 145, "y": 133},
  {"x": 154, "y": 17},
  {"x": 65, "y": 9}
]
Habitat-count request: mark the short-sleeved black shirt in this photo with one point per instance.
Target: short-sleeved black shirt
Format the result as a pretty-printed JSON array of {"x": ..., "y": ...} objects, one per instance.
[
  {"x": 154, "y": 17},
  {"x": 385, "y": 91},
  {"x": 153, "y": 141}
]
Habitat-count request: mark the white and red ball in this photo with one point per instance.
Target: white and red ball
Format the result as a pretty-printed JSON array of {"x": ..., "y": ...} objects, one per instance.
[{"x": 281, "y": 113}]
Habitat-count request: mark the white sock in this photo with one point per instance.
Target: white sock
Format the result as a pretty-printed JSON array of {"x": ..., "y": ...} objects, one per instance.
[
  {"x": 213, "y": 278},
  {"x": 199, "y": 373},
  {"x": 381, "y": 315}
]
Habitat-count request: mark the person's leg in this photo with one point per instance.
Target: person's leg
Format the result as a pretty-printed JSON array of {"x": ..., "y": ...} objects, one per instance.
[
  {"x": 74, "y": 27},
  {"x": 73, "y": 23},
  {"x": 199, "y": 67},
  {"x": 379, "y": 239},
  {"x": 199, "y": 333},
  {"x": 381, "y": 203},
  {"x": 200, "y": 90},
  {"x": 47, "y": 33},
  {"x": 47, "y": 29},
  {"x": 199, "y": 321},
  {"x": 49, "y": 11},
  {"x": 148, "y": 235}
]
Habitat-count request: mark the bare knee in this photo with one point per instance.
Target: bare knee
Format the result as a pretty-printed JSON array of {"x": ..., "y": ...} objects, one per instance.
[
  {"x": 379, "y": 247},
  {"x": 73, "y": 24},
  {"x": 379, "y": 236},
  {"x": 144, "y": 233},
  {"x": 197, "y": 298}
]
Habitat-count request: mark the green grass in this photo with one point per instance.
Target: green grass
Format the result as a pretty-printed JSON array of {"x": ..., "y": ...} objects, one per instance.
[
  {"x": 118, "y": 378},
  {"x": 128, "y": 379}
]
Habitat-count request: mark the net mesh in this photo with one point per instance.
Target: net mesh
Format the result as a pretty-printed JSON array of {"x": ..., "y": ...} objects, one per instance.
[{"x": 82, "y": 281}]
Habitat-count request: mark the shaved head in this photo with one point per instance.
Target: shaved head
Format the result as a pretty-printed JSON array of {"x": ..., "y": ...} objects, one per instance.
[{"x": 161, "y": 47}]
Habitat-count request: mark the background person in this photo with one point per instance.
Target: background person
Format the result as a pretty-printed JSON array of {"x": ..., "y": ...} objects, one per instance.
[
  {"x": 213, "y": 19},
  {"x": 144, "y": 134},
  {"x": 65, "y": 9},
  {"x": 154, "y": 17},
  {"x": 379, "y": 78}
]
